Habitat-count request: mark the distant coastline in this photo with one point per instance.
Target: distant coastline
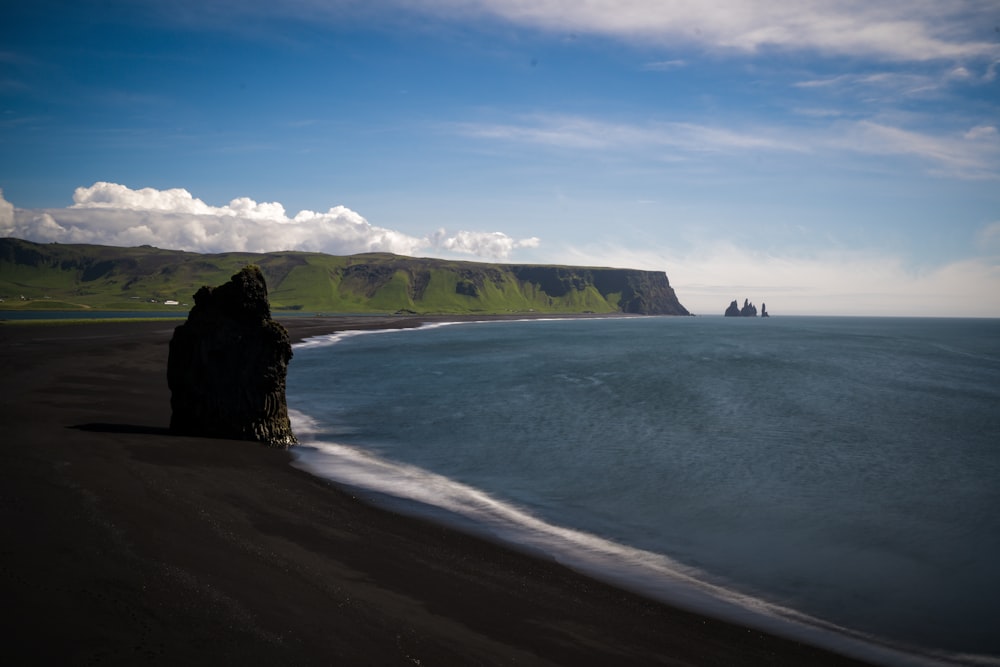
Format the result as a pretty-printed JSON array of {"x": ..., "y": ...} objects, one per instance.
[{"x": 65, "y": 276}]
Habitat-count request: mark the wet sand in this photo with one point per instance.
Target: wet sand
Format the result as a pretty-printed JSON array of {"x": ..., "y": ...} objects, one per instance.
[{"x": 123, "y": 544}]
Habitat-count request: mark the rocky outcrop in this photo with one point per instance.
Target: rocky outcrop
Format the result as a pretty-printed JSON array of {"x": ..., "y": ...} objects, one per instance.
[
  {"x": 763, "y": 310},
  {"x": 631, "y": 290},
  {"x": 642, "y": 292},
  {"x": 227, "y": 365},
  {"x": 748, "y": 309}
]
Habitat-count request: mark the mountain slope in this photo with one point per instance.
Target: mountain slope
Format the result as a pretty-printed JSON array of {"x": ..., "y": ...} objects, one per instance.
[{"x": 90, "y": 276}]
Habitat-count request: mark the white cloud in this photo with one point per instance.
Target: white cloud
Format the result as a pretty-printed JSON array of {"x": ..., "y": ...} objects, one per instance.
[
  {"x": 113, "y": 214},
  {"x": 115, "y": 196},
  {"x": 6, "y": 216},
  {"x": 489, "y": 245},
  {"x": 830, "y": 283},
  {"x": 899, "y": 30},
  {"x": 960, "y": 73}
]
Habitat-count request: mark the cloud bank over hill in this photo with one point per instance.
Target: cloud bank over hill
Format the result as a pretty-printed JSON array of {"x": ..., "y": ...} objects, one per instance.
[
  {"x": 113, "y": 214},
  {"x": 706, "y": 277}
]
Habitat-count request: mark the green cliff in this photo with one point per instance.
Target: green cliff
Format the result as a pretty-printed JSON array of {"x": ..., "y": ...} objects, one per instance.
[{"x": 104, "y": 277}]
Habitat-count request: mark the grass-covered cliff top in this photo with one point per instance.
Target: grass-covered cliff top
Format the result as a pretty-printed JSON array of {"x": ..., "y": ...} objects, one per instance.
[{"x": 61, "y": 276}]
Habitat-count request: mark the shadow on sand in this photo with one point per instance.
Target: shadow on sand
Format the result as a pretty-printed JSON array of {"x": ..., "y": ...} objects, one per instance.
[{"x": 101, "y": 427}]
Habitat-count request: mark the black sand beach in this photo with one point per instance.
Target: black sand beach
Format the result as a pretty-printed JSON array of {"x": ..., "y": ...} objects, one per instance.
[{"x": 122, "y": 544}]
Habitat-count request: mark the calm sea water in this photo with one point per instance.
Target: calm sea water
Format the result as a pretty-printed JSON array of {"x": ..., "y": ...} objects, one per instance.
[{"x": 837, "y": 479}]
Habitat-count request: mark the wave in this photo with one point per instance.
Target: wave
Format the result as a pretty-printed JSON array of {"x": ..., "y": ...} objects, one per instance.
[
  {"x": 326, "y": 340},
  {"x": 415, "y": 491}
]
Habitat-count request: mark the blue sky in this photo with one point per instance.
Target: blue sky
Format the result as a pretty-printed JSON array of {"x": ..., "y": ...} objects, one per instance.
[{"x": 833, "y": 157}]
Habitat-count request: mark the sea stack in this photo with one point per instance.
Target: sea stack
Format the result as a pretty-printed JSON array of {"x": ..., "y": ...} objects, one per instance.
[
  {"x": 748, "y": 309},
  {"x": 227, "y": 365}
]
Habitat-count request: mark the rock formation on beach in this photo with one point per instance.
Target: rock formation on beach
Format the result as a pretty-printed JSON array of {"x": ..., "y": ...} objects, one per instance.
[
  {"x": 748, "y": 309},
  {"x": 227, "y": 365}
]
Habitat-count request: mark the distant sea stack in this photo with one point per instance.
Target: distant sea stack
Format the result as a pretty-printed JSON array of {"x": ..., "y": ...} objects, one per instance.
[
  {"x": 748, "y": 309},
  {"x": 227, "y": 365}
]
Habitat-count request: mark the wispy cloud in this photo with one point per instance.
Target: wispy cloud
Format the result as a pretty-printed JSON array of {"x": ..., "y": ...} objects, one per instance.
[
  {"x": 898, "y": 30},
  {"x": 818, "y": 112},
  {"x": 664, "y": 65},
  {"x": 113, "y": 214},
  {"x": 556, "y": 131},
  {"x": 577, "y": 132},
  {"x": 982, "y": 132},
  {"x": 971, "y": 154},
  {"x": 885, "y": 87},
  {"x": 885, "y": 83},
  {"x": 892, "y": 30}
]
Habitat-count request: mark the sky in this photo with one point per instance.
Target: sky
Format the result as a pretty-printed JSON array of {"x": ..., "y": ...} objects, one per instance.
[{"x": 833, "y": 157}]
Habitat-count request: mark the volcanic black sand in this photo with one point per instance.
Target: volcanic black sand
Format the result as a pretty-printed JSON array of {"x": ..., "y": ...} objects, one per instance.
[{"x": 122, "y": 544}]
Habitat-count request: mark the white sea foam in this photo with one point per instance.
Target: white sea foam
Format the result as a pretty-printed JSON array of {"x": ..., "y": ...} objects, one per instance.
[
  {"x": 326, "y": 340},
  {"x": 334, "y": 338}
]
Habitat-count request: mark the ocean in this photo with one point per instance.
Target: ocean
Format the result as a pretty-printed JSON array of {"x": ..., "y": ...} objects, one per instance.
[{"x": 832, "y": 479}]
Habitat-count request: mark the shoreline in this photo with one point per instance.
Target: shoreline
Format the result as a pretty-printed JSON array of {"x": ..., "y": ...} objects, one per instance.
[
  {"x": 648, "y": 574},
  {"x": 123, "y": 543}
]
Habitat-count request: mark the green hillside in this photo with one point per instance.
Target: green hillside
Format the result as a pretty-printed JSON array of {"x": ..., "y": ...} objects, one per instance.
[{"x": 59, "y": 276}]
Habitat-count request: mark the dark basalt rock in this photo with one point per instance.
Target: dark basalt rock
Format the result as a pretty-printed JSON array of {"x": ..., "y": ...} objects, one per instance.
[
  {"x": 748, "y": 309},
  {"x": 227, "y": 365},
  {"x": 467, "y": 288}
]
